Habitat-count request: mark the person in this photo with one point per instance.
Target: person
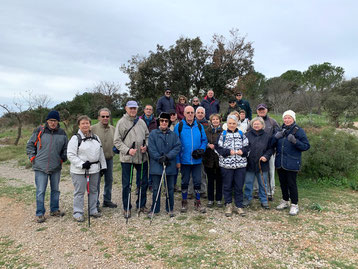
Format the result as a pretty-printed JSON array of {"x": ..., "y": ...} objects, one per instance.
[
  {"x": 173, "y": 121},
  {"x": 271, "y": 127},
  {"x": 243, "y": 121},
  {"x": 200, "y": 116},
  {"x": 257, "y": 161},
  {"x": 243, "y": 104},
  {"x": 180, "y": 106},
  {"x": 233, "y": 148},
  {"x": 232, "y": 107},
  {"x": 87, "y": 158},
  {"x": 195, "y": 103},
  {"x": 210, "y": 104},
  {"x": 165, "y": 102},
  {"x": 105, "y": 132},
  {"x": 236, "y": 114},
  {"x": 130, "y": 130},
  {"x": 163, "y": 147},
  {"x": 47, "y": 150},
  {"x": 211, "y": 161},
  {"x": 149, "y": 119},
  {"x": 193, "y": 143},
  {"x": 289, "y": 142}
]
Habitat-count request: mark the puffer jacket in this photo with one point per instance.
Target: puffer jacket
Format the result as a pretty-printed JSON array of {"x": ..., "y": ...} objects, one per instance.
[
  {"x": 211, "y": 106},
  {"x": 164, "y": 104},
  {"x": 211, "y": 159},
  {"x": 191, "y": 139},
  {"x": 137, "y": 134},
  {"x": 159, "y": 144},
  {"x": 260, "y": 145},
  {"x": 89, "y": 150},
  {"x": 49, "y": 153},
  {"x": 233, "y": 141},
  {"x": 288, "y": 155}
]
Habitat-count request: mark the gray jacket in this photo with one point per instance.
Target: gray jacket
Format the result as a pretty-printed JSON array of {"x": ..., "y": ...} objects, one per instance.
[{"x": 50, "y": 151}]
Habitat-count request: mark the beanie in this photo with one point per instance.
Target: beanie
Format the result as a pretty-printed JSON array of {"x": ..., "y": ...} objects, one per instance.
[
  {"x": 53, "y": 115},
  {"x": 289, "y": 113}
]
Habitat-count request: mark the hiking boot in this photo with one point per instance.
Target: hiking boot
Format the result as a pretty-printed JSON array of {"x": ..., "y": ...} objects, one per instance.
[
  {"x": 144, "y": 210},
  {"x": 219, "y": 204},
  {"x": 40, "y": 219},
  {"x": 99, "y": 209},
  {"x": 283, "y": 205},
  {"x": 270, "y": 197},
  {"x": 240, "y": 211},
  {"x": 198, "y": 207},
  {"x": 96, "y": 215},
  {"x": 228, "y": 210},
  {"x": 210, "y": 204},
  {"x": 246, "y": 203},
  {"x": 150, "y": 214},
  {"x": 294, "y": 210},
  {"x": 256, "y": 195},
  {"x": 109, "y": 204},
  {"x": 184, "y": 206},
  {"x": 57, "y": 213},
  {"x": 171, "y": 214},
  {"x": 265, "y": 205},
  {"x": 125, "y": 214},
  {"x": 79, "y": 218}
]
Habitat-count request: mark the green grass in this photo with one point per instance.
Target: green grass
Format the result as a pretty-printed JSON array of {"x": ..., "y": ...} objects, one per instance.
[{"x": 23, "y": 193}]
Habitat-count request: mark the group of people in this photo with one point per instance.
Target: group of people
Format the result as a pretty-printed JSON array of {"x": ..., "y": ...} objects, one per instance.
[{"x": 214, "y": 159}]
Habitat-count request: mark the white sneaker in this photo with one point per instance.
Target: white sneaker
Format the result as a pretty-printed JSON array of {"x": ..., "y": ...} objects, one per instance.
[
  {"x": 284, "y": 204},
  {"x": 294, "y": 210}
]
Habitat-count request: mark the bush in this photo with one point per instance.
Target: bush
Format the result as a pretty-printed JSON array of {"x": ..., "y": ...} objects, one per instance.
[{"x": 332, "y": 156}]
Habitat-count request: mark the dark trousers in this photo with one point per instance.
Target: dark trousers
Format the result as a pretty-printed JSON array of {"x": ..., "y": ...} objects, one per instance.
[
  {"x": 126, "y": 171},
  {"x": 214, "y": 176},
  {"x": 195, "y": 171},
  {"x": 288, "y": 185},
  {"x": 170, "y": 187},
  {"x": 233, "y": 178}
]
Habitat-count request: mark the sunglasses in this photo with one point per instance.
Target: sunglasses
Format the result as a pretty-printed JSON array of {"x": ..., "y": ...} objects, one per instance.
[
  {"x": 173, "y": 114},
  {"x": 239, "y": 94},
  {"x": 168, "y": 92},
  {"x": 189, "y": 112},
  {"x": 195, "y": 101},
  {"x": 104, "y": 117},
  {"x": 162, "y": 120}
]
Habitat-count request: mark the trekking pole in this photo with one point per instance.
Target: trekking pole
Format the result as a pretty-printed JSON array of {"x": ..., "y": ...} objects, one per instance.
[
  {"x": 263, "y": 180},
  {"x": 130, "y": 186},
  {"x": 166, "y": 189},
  {"x": 159, "y": 190},
  {"x": 140, "y": 183},
  {"x": 88, "y": 199}
]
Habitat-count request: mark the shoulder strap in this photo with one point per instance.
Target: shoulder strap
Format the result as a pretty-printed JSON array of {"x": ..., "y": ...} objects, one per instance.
[
  {"x": 134, "y": 123},
  {"x": 180, "y": 128},
  {"x": 295, "y": 129},
  {"x": 241, "y": 134},
  {"x": 39, "y": 134},
  {"x": 80, "y": 139},
  {"x": 224, "y": 135}
]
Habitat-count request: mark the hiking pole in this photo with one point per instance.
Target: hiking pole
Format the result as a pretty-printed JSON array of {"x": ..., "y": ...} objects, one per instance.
[
  {"x": 88, "y": 197},
  {"x": 130, "y": 186},
  {"x": 140, "y": 183},
  {"x": 159, "y": 190},
  {"x": 166, "y": 189},
  {"x": 263, "y": 180}
]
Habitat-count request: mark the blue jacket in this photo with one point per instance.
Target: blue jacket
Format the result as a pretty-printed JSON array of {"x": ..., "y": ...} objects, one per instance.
[
  {"x": 191, "y": 139},
  {"x": 163, "y": 144},
  {"x": 211, "y": 107},
  {"x": 164, "y": 104},
  {"x": 288, "y": 155}
]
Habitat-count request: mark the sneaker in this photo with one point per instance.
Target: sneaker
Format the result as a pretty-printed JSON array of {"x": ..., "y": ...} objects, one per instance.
[
  {"x": 294, "y": 210},
  {"x": 219, "y": 204},
  {"x": 240, "y": 211},
  {"x": 144, "y": 209},
  {"x": 40, "y": 219},
  {"x": 171, "y": 214},
  {"x": 210, "y": 204},
  {"x": 57, "y": 213},
  {"x": 109, "y": 204},
  {"x": 198, "y": 207},
  {"x": 96, "y": 215},
  {"x": 126, "y": 215},
  {"x": 265, "y": 205},
  {"x": 79, "y": 218},
  {"x": 246, "y": 203},
  {"x": 283, "y": 205},
  {"x": 228, "y": 210},
  {"x": 184, "y": 206}
]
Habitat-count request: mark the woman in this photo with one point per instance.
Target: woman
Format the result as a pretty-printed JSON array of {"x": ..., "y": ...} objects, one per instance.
[
  {"x": 211, "y": 161},
  {"x": 163, "y": 146},
  {"x": 289, "y": 143},
  {"x": 233, "y": 148},
  {"x": 243, "y": 121},
  {"x": 180, "y": 106},
  {"x": 236, "y": 114},
  {"x": 86, "y": 155},
  {"x": 260, "y": 153},
  {"x": 173, "y": 119}
]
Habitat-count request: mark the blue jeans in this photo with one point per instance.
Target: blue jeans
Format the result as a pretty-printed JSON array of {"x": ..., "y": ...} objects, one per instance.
[
  {"x": 126, "y": 171},
  {"x": 249, "y": 183},
  {"x": 108, "y": 181},
  {"x": 41, "y": 180},
  {"x": 195, "y": 171},
  {"x": 170, "y": 187},
  {"x": 233, "y": 178}
]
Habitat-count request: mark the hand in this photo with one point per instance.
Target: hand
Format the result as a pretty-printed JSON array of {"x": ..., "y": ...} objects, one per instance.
[
  {"x": 279, "y": 135},
  {"x": 263, "y": 159},
  {"x": 239, "y": 152},
  {"x": 198, "y": 153},
  {"x": 178, "y": 165},
  {"x": 143, "y": 149},
  {"x": 163, "y": 159},
  {"x": 132, "y": 152},
  {"x": 102, "y": 172},
  {"x": 291, "y": 138},
  {"x": 86, "y": 165},
  {"x": 232, "y": 152},
  {"x": 212, "y": 146}
]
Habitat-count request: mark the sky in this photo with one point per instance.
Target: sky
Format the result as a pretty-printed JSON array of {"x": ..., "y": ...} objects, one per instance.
[{"x": 61, "y": 48}]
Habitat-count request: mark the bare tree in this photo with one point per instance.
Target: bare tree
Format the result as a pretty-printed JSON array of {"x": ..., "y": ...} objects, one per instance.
[
  {"x": 18, "y": 118},
  {"x": 37, "y": 102}
]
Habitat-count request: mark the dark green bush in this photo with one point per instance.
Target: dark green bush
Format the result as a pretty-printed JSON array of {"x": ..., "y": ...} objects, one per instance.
[{"x": 332, "y": 157}]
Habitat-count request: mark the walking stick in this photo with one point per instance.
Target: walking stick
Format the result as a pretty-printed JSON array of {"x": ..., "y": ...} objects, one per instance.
[
  {"x": 130, "y": 186},
  {"x": 166, "y": 190},
  {"x": 140, "y": 183},
  {"x": 88, "y": 199},
  {"x": 263, "y": 180},
  {"x": 159, "y": 190}
]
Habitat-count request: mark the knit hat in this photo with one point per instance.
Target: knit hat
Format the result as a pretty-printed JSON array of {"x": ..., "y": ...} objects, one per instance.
[
  {"x": 164, "y": 115},
  {"x": 53, "y": 115},
  {"x": 289, "y": 113}
]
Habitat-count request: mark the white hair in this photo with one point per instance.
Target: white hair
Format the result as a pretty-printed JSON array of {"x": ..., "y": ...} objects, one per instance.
[
  {"x": 233, "y": 117},
  {"x": 200, "y": 107}
]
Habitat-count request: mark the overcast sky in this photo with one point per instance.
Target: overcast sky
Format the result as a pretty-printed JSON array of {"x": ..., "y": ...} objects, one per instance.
[{"x": 60, "y": 48}]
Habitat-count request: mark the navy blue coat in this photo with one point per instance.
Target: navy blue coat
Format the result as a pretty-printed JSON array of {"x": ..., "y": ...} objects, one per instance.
[
  {"x": 210, "y": 107},
  {"x": 288, "y": 155},
  {"x": 164, "y": 104},
  {"x": 159, "y": 144}
]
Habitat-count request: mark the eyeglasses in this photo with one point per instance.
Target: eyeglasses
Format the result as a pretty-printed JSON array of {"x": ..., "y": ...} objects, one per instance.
[
  {"x": 163, "y": 120},
  {"x": 168, "y": 92},
  {"x": 239, "y": 94},
  {"x": 173, "y": 114},
  {"x": 190, "y": 112},
  {"x": 104, "y": 117},
  {"x": 181, "y": 99},
  {"x": 195, "y": 101}
]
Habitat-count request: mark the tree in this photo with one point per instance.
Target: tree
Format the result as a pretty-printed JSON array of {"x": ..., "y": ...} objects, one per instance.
[
  {"x": 18, "y": 118},
  {"x": 37, "y": 105},
  {"x": 252, "y": 85}
]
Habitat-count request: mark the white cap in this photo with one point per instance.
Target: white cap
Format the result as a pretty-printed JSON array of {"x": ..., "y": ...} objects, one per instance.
[{"x": 289, "y": 113}]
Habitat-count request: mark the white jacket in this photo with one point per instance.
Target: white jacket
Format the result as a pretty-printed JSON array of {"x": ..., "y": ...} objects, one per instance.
[{"x": 89, "y": 150}]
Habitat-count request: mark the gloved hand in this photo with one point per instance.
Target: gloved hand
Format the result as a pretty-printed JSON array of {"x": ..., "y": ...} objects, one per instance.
[
  {"x": 86, "y": 165},
  {"x": 115, "y": 150},
  {"x": 198, "y": 153},
  {"x": 279, "y": 134},
  {"x": 163, "y": 159},
  {"x": 102, "y": 172},
  {"x": 291, "y": 138}
]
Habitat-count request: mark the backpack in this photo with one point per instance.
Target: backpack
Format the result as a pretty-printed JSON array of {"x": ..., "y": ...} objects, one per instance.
[
  {"x": 224, "y": 135},
  {"x": 180, "y": 128},
  {"x": 80, "y": 139},
  {"x": 39, "y": 134}
]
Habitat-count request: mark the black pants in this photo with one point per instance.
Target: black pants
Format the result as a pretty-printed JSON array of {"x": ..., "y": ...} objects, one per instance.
[
  {"x": 288, "y": 185},
  {"x": 233, "y": 179},
  {"x": 214, "y": 176}
]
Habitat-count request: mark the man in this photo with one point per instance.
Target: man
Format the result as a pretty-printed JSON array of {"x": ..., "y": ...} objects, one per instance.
[
  {"x": 232, "y": 107},
  {"x": 200, "y": 116},
  {"x": 105, "y": 132},
  {"x": 193, "y": 140},
  {"x": 195, "y": 103},
  {"x": 271, "y": 127},
  {"x": 149, "y": 118},
  {"x": 210, "y": 104},
  {"x": 130, "y": 129},
  {"x": 243, "y": 104},
  {"x": 165, "y": 103},
  {"x": 47, "y": 149}
]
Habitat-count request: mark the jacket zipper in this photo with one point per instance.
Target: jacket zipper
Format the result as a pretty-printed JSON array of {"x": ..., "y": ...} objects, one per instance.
[
  {"x": 192, "y": 145},
  {"x": 48, "y": 159}
]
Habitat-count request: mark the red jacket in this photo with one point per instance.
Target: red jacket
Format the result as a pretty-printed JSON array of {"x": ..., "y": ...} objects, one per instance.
[{"x": 179, "y": 109}]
